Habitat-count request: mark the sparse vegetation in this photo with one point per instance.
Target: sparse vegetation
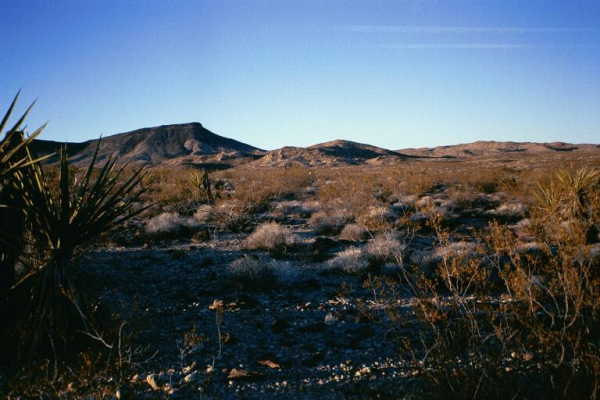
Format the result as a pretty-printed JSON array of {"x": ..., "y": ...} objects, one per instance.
[
  {"x": 354, "y": 232},
  {"x": 46, "y": 315},
  {"x": 272, "y": 237},
  {"x": 437, "y": 278},
  {"x": 171, "y": 223}
]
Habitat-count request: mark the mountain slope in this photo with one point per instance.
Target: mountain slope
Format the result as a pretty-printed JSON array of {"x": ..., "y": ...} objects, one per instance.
[
  {"x": 179, "y": 144},
  {"x": 334, "y": 153},
  {"x": 493, "y": 148}
]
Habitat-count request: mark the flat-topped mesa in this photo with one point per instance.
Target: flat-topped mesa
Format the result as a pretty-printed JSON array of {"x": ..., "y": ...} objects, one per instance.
[
  {"x": 188, "y": 143},
  {"x": 192, "y": 145}
]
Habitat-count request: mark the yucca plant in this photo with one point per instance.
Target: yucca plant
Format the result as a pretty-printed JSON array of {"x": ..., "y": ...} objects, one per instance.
[
  {"x": 202, "y": 185},
  {"x": 13, "y": 157},
  {"x": 13, "y": 143},
  {"x": 65, "y": 219},
  {"x": 569, "y": 204}
]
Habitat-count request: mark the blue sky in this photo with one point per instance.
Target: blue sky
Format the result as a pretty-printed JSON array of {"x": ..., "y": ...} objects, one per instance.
[{"x": 397, "y": 73}]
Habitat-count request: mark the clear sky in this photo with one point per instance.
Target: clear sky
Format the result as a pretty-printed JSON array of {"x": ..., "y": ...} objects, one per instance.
[{"x": 396, "y": 73}]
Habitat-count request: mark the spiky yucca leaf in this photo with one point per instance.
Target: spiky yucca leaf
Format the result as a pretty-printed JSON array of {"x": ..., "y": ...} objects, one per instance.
[
  {"x": 65, "y": 216},
  {"x": 13, "y": 157},
  {"x": 568, "y": 193},
  {"x": 11, "y": 148},
  {"x": 84, "y": 206}
]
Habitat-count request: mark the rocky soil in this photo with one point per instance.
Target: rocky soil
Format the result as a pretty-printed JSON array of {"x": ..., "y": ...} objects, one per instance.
[{"x": 313, "y": 332}]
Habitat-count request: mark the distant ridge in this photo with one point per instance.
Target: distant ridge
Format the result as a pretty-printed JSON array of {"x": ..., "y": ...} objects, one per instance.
[
  {"x": 492, "y": 149},
  {"x": 192, "y": 145},
  {"x": 334, "y": 153},
  {"x": 179, "y": 144}
]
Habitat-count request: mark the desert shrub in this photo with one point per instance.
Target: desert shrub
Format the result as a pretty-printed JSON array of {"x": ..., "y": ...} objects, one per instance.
[
  {"x": 64, "y": 215},
  {"x": 376, "y": 218},
  {"x": 404, "y": 206},
  {"x": 257, "y": 190},
  {"x": 231, "y": 215},
  {"x": 328, "y": 224},
  {"x": 385, "y": 247},
  {"x": 541, "y": 338},
  {"x": 295, "y": 207},
  {"x": 486, "y": 186},
  {"x": 354, "y": 232},
  {"x": 204, "y": 214},
  {"x": 272, "y": 237},
  {"x": 510, "y": 211},
  {"x": 166, "y": 187},
  {"x": 351, "y": 261},
  {"x": 203, "y": 188},
  {"x": 252, "y": 272},
  {"x": 255, "y": 273},
  {"x": 568, "y": 207},
  {"x": 170, "y": 223}
]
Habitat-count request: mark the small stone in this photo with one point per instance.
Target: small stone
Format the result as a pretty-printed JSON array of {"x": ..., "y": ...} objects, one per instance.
[
  {"x": 216, "y": 305},
  {"x": 528, "y": 356},
  {"x": 236, "y": 373},
  {"x": 331, "y": 319},
  {"x": 169, "y": 389},
  {"x": 270, "y": 364},
  {"x": 189, "y": 368},
  {"x": 191, "y": 377},
  {"x": 210, "y": 369},
  {"x": 123, "y": 394},
  {"x": 151, "y": 380}
]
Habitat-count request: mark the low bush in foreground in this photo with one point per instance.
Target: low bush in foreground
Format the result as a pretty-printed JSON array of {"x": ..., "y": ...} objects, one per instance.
[
  {"x": 272, "y": 237},
  {"x": 541, "y": 338},
  {"x": 256, "y": 273}
]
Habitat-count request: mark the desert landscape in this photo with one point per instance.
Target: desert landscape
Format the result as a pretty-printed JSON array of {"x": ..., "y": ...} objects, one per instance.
[
  {"x": 340, "y": 270},
  {"x": 298, "y": 200}
]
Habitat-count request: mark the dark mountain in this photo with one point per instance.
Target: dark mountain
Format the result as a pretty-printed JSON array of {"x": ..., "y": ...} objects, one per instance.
[{"x": 181, "y": 144}]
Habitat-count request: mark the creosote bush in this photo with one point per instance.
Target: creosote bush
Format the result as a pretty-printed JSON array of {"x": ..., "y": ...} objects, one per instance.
[
  {"x": 328, "y": 224},
  {"x": 385, "y": 247},
  {"x": 352, "y": 260},
  {"x": 272, "y": 237},
  {"x": 170, "y": 223},
  {"x": 257, "y": 273},
  {"x": 354, "y": 232}
]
